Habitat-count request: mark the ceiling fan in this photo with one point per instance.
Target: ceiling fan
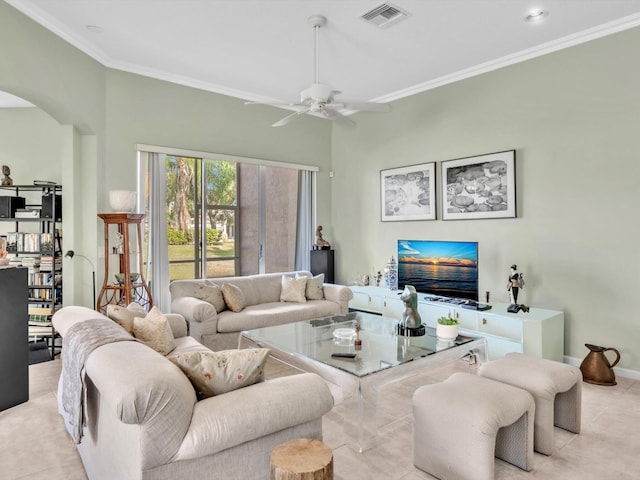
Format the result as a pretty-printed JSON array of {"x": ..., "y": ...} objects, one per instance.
[{"x": 319, "y": 98}]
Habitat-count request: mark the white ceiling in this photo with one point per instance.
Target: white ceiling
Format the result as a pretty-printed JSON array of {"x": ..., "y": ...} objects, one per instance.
[{"x": 263, "y": 49}]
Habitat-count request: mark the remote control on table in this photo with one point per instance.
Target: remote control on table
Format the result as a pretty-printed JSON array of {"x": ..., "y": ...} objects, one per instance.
[{"x": 343, "y": 355}]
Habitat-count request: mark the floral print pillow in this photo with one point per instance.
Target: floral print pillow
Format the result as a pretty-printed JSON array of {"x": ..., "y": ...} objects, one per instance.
[{"x": 214, "y": 373}]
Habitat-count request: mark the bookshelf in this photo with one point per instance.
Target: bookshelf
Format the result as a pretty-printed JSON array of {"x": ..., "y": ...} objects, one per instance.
[{"x": 31, "y": 231}]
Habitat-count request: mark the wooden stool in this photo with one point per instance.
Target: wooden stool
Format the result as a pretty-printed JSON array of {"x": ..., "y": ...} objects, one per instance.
[{"x": 301, "y": 459}]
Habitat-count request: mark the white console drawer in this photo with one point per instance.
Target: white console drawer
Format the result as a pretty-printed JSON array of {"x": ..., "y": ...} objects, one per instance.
[
  {"x": 360, "y": 301},
  {"x": 393, "y": 308},
  {"x": 367, "y": 302},
  {"x": 467, "y": 319},
  {"x": 499, "y": 347},
  {"x": 507, "y": 327},
  {"x": 429, "y": 313}
]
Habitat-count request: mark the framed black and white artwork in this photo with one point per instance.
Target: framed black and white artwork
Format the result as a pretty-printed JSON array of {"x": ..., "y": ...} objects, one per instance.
[
  {"x": 479, "y": 187},
  {"x": 408, "y": 193}
]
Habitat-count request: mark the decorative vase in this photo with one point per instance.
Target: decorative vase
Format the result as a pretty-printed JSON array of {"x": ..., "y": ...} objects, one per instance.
[
  {"x": 447, "y": 332},
  {"x": 596, "y": 368},
  {"x": 391, "y": 274},
  {"x": 123, "y": 201}
]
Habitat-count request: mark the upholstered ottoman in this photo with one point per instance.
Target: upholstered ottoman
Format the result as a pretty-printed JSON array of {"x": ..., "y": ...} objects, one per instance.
[
  {"x": 556, "y": 388},
  {"x": 461, "y": 424}
]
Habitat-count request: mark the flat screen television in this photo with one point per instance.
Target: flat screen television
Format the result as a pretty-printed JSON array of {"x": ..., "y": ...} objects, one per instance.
[{"x": 438, "y": 268}]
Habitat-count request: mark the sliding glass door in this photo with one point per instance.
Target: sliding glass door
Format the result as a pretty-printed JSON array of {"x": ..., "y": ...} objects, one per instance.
[{"x": 223, "y": 218}]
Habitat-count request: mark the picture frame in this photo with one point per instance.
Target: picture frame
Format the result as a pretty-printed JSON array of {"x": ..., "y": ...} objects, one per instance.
[
  {"x": 408, "y": 193},
  {"x": 479, "y": 187}
]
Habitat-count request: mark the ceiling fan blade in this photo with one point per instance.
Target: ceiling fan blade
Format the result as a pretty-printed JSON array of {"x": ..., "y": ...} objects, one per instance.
[
  {"x": 338, "y": 117},
  {"x": 364, "y": 106},
  {"x": 289, "y": 118},
  {"x": 273, "y": 104}
]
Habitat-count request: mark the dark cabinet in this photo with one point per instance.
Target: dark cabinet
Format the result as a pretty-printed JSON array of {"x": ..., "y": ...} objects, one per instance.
[
  {"x": 322, "y": 262},
  {"x": 14, "y": 348}
]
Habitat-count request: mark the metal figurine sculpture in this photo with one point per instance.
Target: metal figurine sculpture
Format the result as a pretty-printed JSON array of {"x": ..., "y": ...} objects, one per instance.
[
  {"x": 516, "y": 282},
  {"x": 411, "y": 324},
  {"x": 6, "y": 171},
  {"x": 321, "y": 243}
]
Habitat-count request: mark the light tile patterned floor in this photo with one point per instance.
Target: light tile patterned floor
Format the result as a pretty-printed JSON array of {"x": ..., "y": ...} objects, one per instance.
[{"x": 34, "y": 444}]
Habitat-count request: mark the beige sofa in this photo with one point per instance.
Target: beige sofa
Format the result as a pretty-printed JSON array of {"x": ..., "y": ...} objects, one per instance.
[
  {"x": 143, "y": 420},
  {"x": 221, "y": 330}
]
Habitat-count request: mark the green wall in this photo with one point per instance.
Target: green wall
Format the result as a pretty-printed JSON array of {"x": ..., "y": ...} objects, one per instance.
[
  {"x": 18, "y": 150},
  {"x": 573, "y": 118},
  {"x": 104, "y": 113},
  {"x": 148, "y": 111}
]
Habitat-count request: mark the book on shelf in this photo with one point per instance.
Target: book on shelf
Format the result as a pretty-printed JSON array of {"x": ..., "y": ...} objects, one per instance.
[
  {"x": 29, "y": 242},
  {"x": 12, "y": 241},
  {"x": 49, "y": 264},
  {"x": 46, "y": 242}
]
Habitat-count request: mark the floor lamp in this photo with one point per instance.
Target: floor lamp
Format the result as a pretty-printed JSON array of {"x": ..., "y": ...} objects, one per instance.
[{"x": 71, "y": 254}]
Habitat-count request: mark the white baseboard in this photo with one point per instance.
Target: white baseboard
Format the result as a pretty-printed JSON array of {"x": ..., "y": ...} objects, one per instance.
[{"x": 620, "y": 372}]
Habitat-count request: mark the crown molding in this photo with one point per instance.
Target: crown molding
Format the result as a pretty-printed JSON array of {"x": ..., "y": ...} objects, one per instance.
[{"x": 577, "y": 38}]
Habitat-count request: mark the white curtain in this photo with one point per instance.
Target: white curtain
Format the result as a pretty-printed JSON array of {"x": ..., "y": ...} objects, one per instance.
[
  {"x": 157, "y": 250},
  {"x": 304, "y": 237}
]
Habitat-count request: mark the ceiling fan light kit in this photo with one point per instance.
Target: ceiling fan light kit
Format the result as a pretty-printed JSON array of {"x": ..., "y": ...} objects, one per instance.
[{"x": 318, "y": 99}]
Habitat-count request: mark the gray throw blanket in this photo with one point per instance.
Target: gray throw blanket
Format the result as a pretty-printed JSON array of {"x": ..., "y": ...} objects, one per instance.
[{"x": 82, "y": 339}]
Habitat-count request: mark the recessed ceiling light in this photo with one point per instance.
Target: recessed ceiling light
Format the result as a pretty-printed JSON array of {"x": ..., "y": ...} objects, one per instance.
[
  {"x": 93, "y": 28},
  {"x": 536, "y": 15}
]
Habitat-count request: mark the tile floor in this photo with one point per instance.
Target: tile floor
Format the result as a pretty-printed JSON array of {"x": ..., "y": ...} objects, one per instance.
[{"x": 35, "y": 445}]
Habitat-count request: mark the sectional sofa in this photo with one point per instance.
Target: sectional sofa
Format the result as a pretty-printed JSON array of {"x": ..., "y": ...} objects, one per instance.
[
  {"x": 219, "y": 328},
  {"x": 144, "y": 419}
]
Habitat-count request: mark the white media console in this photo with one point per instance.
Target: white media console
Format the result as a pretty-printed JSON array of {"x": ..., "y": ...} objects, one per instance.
[{"x": 538, "y": 332}]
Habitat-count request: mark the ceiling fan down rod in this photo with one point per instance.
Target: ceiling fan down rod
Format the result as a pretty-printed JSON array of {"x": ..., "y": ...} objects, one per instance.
[{"x": 316, "y": 21}]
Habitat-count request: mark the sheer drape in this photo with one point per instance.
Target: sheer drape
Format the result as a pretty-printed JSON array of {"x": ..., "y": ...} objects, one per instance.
[
  {"x": 304, "y": 237},
  {"x": 158, "y": 251}
]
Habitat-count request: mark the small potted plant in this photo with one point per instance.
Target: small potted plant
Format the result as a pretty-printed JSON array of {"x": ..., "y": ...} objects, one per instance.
[{"x": 447, "y": 328}]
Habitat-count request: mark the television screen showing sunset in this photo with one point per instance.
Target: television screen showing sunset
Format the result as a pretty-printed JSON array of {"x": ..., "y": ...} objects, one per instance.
[{"x": 448, "y": 269}]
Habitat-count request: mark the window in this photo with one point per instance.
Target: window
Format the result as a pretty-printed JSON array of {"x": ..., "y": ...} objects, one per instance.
[
  {"x": 223, "y": 216},
  {"x": 201, "y": 205}
]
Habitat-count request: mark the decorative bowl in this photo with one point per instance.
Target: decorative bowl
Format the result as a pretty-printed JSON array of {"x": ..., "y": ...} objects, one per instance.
[
  {"x": 120, "y": 277},
  {"x": 344, "y": 336},
  {"x": 122, "y": 201}
]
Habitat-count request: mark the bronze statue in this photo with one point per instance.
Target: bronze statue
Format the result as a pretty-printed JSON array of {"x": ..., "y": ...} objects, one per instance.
[
  {"x": 320, "y": 242},
  {"x": 7, "y": 179}
]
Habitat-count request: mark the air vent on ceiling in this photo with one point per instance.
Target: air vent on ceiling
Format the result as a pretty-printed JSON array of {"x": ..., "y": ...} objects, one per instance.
[{"x": 384, "y": 15}]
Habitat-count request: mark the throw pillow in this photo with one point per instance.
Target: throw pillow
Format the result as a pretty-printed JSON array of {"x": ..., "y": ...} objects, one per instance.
[
  {"x": 154, "y": 330},
  {"x": 314, "y": 287},
  {"x": 124, "y": 316},
  {"x": 233, "y": 297},
  {"x": 293, "y": 289},
  {"x": 214, "y": 373},
  {"x": 210, "y": 293}
]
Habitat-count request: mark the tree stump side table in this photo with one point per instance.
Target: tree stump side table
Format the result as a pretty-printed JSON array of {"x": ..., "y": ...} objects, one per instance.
[{"x": 302, "y": 459}]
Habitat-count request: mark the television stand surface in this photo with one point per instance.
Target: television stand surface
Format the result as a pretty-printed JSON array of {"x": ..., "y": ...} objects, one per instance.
[
  {"x": 461, "y": 302},
  {"x": 539, "y": 332}
]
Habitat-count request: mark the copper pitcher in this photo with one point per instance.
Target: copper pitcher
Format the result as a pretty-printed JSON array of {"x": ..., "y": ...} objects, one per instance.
[{"x": 596, "y": 368}]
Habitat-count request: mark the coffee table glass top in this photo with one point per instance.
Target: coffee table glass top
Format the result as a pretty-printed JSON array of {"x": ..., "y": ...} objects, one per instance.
[{"x": 381, "y": 347}]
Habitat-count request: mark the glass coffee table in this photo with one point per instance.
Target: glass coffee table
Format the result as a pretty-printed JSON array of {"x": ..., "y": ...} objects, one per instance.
[{"x": 384, "y": 357}]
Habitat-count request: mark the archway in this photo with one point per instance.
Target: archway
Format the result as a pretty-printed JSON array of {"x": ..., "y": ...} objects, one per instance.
[{"x": 37, "y": 147}]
